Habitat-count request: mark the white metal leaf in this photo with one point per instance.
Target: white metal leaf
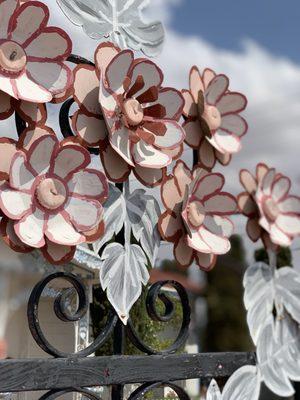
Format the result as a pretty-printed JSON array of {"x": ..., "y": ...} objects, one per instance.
[
  {"x": 118, "y": 20},
  {"x": 244, "y": 384},
  {"x": 288, "y": 291},
  {"x": 258, "y": 297},
  {"x": 122, "y": 274},
  {"x": 143, "y": 212},
  {"x": 114, "y": 216},
  {"x": 213, "y": 391},
  {"x": 271, "y": 364}
]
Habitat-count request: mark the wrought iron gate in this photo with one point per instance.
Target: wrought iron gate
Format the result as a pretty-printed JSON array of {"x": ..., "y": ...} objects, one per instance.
[{"x": 66, "y": 373}]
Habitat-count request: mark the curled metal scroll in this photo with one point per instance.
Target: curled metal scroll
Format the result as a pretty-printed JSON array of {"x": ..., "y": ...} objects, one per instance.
[
  {"x": 62, "y": 313},
  {"x": 140, "y": 392},
  {"x": 153, "y": 294},
  {"x": 55, "y": 394}
]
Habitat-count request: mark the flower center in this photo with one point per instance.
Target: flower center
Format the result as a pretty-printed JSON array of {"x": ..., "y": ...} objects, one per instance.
[
  {"x": 12, "y": 57},
  {"x": 51, "y": 193},
  {"x": 196, "y": 213},
  {"x": 212, "y": 117},
  {"x": 133, "y": 112},
  {"x": 270, "y": 208}
]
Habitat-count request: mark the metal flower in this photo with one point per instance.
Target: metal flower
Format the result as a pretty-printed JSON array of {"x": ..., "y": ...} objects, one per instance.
[
  {"x": 274, "y": 214},
  {"x": 213, "y": 124},
  {"x": 32, "y": 55},
  {"x": 196, "y": 217},
  {"x": 51, "y": 200},
  {"x": 117, "y": 20},
  {"x": 90, "y": 127}
]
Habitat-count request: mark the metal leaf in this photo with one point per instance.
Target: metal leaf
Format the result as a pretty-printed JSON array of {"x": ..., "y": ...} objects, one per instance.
[
  {"x": 114, "y": 216},
  {"x": 288, "y": 291},
  {"x": 118, "y": 20},
  {"x": 244, "y": 384},
  {"x": 213, "y": 392},
  {"x": 271, "y": 364},
  {"x": 122, "y": 273},
  {"x": 258, "y": 297},
  {"x": 143, "y": 212}
]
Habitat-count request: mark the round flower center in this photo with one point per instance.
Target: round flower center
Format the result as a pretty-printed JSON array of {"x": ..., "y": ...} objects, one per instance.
[
  {"x": 270, "y": 208},
  {"x": 212, "y": 117},
  {"x": 133, "y": 112},
  {"x": 12, "y": 57},
  {"x": 196, "y": 213},
  {"x": 51, "y": 193}
]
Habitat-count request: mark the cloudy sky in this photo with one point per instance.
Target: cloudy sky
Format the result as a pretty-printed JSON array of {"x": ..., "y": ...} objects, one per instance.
[{"x": 256, "y": 45}]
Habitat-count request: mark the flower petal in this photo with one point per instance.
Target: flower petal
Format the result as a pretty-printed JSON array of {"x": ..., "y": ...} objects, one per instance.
[
  {"x": 41, "y": 153},
  {"x": 173, "y": 102},
  {"x": 151, "y": 73},
  {"x": 277, "y": 236},
  {"x": 104, "y": 54},
  {"x": 7, "y": 9},
  {"x": 117, "y": 71},
  {"x": 209, "y": 185},
  {"x": 83, "y": 213},
  {"x": 207, "y": 76},
  {"x": 193, "y": 133},
  {"x": 149, "y": 177},
  {"x": 219, "y": 225},
  {"x": 221, "y": 204},
  {"x": 196, "y": 242},
  {"x": 190, "y": 108},
  {"x": 116, "y": 168},
  {"x": 253, "y": 229},
  {"x": 183, "y": 254},
  {"x": 289, "y": 224},
  {"x": 59, "y": 230},
  {"x": 27, "y": 89},
  {"x": 92, "y": 130},
  {"x": 10, "y": 238},
  {"x": 267, "y": 182},
  {"x": 248, "y": 181},
  {"x": 206, "y": 261},
  {"x": 70, "y": 159},
  {"x": 30, "y": 229},
  {"x": 223, "y": 158},
  {"x": 20, "y": 177},
  {"x": 6, "y": 107},
  {"x": 7, "y": 151},
  {"x": 86, "y": 89},
  {"x": 30, "y": 135},
  {"x": 7, "y": 86},
  {"x": 52, "y": 44},
  {"x": 234, "y": 124},
  {"x": 232, "y": 103},
  {"x": 31, "y": 113},
  {"x": 170, "y": 194},
  {"x": 217, "y": 244},
  {"x": 246, "y": 204},
  {"x": 170, "y": 226},
  {"x": 261, "y": 170},
  {"x": 290, "y": 205},
  {"x": 27, "y": 20},
  {"x": 14, "y": 204},
  {"x": 174, "y": 135},
  {"x": 182, "y": 176},
  {"x": 216, "y": 89},
  {"x": 58, "y": 254},
  {"x": 206, "y": 153},
  {"x": 196, "y": 83},
  {"x": 148, "y": 156},
  {"x": 119, "y": 140},
  {"x": 226, "y": 142},
  {"x": 89, "y": 183},
  {"x": 280, "y": 188}
]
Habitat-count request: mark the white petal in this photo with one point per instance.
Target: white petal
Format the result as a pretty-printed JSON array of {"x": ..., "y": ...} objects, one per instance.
[
  {"x": 196, "y": 242},
  {"x": 208, "y": 185},
  {"x": 28, "y": 90},
  {"x": 20, "y": 176},
  {"x": 281, "y": 188},
  {"x": 290, "y": 205},
  {"x": 227, "y": 142},
  {"x": 217, "y": 244},
  {"x": 60, "y": 231},
  {"x": 220, "y": 226},
  {"x": 89, "y": 183},
  {"x": 14, "y": 204},
  {"x": 173, "y": 137},
  {"x": 216, "y": 88},
  {"x": 84, "y": 214},
  {"x": 279, "y": 237},
  {"x": 289, "y": 224},
  {"x": 41, "y": 152},
  {"x": 30, "y": 229},
  {"x": 121, "y": 144},
  {"x": 148, "y": 156},
  {"x": 268, "y": 181}
]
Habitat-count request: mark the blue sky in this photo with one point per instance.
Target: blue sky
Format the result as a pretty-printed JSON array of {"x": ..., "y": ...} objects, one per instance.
[{"x": 274, "y": 24}]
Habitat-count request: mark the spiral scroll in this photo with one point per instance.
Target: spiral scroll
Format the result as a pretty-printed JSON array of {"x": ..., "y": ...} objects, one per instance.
[
  {"x": 56, "y": 394},
  {"x": 140, "y": 392}
]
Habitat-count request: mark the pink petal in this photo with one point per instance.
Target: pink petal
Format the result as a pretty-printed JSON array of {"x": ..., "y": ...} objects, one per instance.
[
  {"x": 7, "y": 9},
  {"x": 290, "y": 205},
  {"x": 7, "y": 151},
  {"x": 70, "y": 159},
  {"x": 27, "y": 89},
  {"x": 208, "y": 185},
  {"x": 14, "y": 204},
  {"x": 267, "y": 182},
  {"x": 248, "y": 181},
  {"x": 117, "y": 70},
  {"x": 27, "y": 20},
  {"x": 119, "y": 140},
  {"x": 182, "y": 176},
  {"x": 234, "y": 124},
  {"x": 277, "y": 236},
  {"x": 206, "y": 261},
  {"x": 223, "y": 158},
  {"x": 206, "y": 154},
  {"x": 116, "y": 168},
  {"x": 207, "y": 77},
  {"x": 221, "y": 204},
  {"x": 190, "y": 107},
  {"x": 193, "y": 133},
  {"x": 32, "y": 113},
  {"x": 173, "y": 102},
  {"x": 219, "y": 225},
  {"x": 148, "y": 176},
  {"x": 30, "y": 229},
  {"x": 52, "y": 44},
  {"x": 6, "y": 108},
  {"x": 148, "y": 156},
  {"x": 227, "y": 142},
  {"x": 289, "y": 224},
  {"x": 59, "y": 230},
  {"x": 152, "y": 75},
  {"x": 174, "y": 153},
  {"x": 41, "y": 153},
  {"x": 58, "y": 254},
  {"x": 108, "y": 102},
  {"x": 246, "y": 204},
  {"x": 86, "y": 89},
  {"x": 216, "y": 88},
  {"x": 217, "y": 244},
  {"x": 31, "y": 135},
  {"x": 89, "y": 183},
  {"x": 196, "y": 242},
  {"x": 170, "y": 194},
  {"x": 232, "y": 103},
  {"x": 280, "y": 188},
  {"x": 10, "y": 238},
  {"x": 253, "y": 229},
  {"x": 170, "y": 226},
  {"x": 83, "y": 213},
  {"x": 263, "y": 222},
  {"x": 183, "y": 254},
  {"x": 104, "y": 54},
  {"x": 261, "y": 170},
  {"x": 173, "y": 136},
  {"x": 196, "y": 83},
  {"x": 20, "y": 176},
  {"x": 53, "y": 76},
  {"x": 92, "y": 130}
]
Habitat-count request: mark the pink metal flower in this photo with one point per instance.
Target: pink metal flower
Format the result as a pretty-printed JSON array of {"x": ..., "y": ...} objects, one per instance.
[
  {"x": 268, "y": 203},
  {"x": 32, "y": 55},
  {"x": 196, "y": 217},
  {"x": 213, "y": 124},
  {"x": 51, "y": 200}
]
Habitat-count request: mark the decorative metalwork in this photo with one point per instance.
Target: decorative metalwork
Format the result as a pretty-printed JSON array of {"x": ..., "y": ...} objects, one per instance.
[
  {"x": 146, "y": 388},
  {"x": 56, "y": 394}
]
